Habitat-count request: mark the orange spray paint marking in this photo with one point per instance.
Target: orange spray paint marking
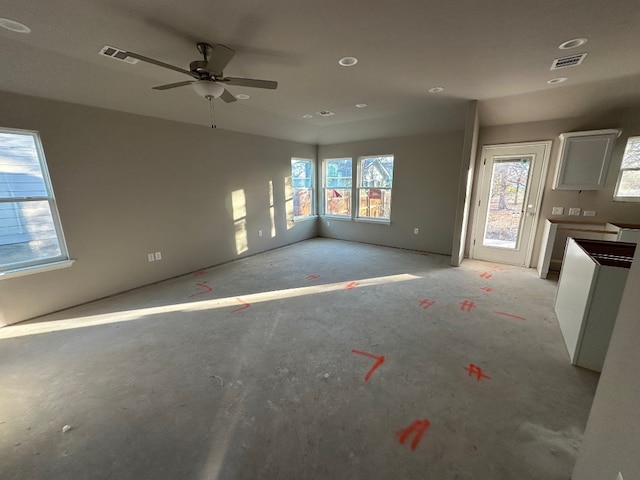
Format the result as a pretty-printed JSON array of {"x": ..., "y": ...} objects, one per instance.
[
  {"x": 486, "y": 275},
  {"x": 351, "y": 285},
  {"x": 477, "y": 371},
  {"x": 244, "y": 306},
  {"x": 379, "y": 361},
  {"x": 199, "y": 272},
  {"x": 203, "y": 285},
  {"x": 426, "y": 303},
  {"x": 467, "y": 305},
  {"x": 313, "y": 276},
  {"x": 417, "y": 428},
  {"x": 487, "y": 289},
  {"x": 510, "y": 315}
]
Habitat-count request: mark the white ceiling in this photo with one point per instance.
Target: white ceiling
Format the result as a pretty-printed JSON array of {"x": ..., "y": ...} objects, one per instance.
[{"x": 496, "y": 51}]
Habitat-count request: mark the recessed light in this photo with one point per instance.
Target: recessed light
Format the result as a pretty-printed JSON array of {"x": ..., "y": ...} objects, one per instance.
[
  {"x": 307, "y": 116},
  {"x": 553, "y": 81},
  {"x": 14, "y": 26},
  {"x": 576, "y": 42},
  {"x": 436, "y": 90},
  {"x": 348, "y": 61},
  {"x": 242, "y": 96},
  {"x": 361, "y": 105}
]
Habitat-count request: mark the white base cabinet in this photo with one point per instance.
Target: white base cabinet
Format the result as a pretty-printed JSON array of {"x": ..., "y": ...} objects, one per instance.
[{"x": 590, "y": 287}]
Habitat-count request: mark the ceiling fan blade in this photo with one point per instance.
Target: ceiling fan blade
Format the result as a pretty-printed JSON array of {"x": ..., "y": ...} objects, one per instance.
[
  {"x": 220, "y": 57},
  {"x": 250, "y": 82},
  {"x": 162, "y": 64},
  {"x": 228, "y": 97},
  {"x": 173, "y": 85}
]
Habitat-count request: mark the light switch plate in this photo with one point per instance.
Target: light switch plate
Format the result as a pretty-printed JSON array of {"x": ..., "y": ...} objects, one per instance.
[
  {"x": 557, "y": 211},
  {"x": 574, "y": 212},
  {"x": 589, "y": 213},
  {"x": 158, "y": 256}
]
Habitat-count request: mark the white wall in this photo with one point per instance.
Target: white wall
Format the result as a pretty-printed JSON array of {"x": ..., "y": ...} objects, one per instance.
[
  {"x": 612, "y": 438},
  {"x": 599, "y": 200},
  {"x": 425, "y": 191},
  {"x": 127, "y": 185}
]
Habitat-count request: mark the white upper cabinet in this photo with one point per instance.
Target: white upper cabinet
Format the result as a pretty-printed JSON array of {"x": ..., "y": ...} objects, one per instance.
[{"x": 584, "y": 159}]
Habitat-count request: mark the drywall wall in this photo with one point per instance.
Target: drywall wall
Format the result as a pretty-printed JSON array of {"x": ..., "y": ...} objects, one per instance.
[
  {"x": 611, "y": 439},
  {"x": 127, "y": 185},
  {"x": 425, "y": 191},
  {"x": 599, "y": 200},
  {"x": 467, "y": 166}
]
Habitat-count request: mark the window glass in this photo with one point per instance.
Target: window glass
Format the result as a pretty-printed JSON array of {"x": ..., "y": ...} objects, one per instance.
[
  {"x": 302, "y": 183},
  {"x": 338, "y": 175},
  {"x": 374, "y": 188},
  {"x": 628, "y": 186},
  {"x": 30, "y": 232}
]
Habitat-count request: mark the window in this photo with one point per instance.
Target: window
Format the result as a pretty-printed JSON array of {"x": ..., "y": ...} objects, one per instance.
[
  {"x": 302, "y": 183},
  {"x": 338, "y": 175},
  {"x": 628, "y": 186},
  {"x": 375, "y": 178},
  {"x": 30, "y": 231}
]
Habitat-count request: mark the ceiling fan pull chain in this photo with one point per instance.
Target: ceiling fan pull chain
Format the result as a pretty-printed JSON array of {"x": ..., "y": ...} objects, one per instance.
[{"x": 213, "y": 115}]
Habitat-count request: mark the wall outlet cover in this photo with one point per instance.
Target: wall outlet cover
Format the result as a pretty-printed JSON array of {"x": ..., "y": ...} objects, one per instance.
[
  {"x": 151, "y": 257},
  {"x": 574, "y": 211},
  {"x": 416, "y": 231},
  {"x": 589, "y": 213},
  {"x": 557, "y": 211},
  {"x": 158, "y": 256}
]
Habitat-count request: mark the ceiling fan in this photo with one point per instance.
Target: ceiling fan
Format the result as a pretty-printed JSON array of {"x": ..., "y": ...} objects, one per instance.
[{"x": 209, "y": 80}]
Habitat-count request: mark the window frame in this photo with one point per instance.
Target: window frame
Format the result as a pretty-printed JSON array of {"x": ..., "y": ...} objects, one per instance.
[
  {"x": 623, "y": 169},
  {"x": 325, "y": 189},
  {"x": 62, "y": 260},
  {"x": 359, "y": 187},
  {"x": 311, "y": 188}
]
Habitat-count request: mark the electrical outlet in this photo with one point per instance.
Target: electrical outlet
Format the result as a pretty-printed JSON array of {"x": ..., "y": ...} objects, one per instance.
[
  {"x": 574, "y": 211},
  {"x": 416, "y": 231},
  {"x": 151, "y": 257},
  {"x": 259, "y": 233},
  {"x": 557, "y": 211},
  {"x": 328, "y": 223},
  {"x": 158, "y": 256},
  {"x": 589, "y": 213}
]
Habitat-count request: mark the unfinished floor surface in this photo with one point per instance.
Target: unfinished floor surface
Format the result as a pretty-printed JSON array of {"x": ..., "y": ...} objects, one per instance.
[{"x": 323, "y": 359}]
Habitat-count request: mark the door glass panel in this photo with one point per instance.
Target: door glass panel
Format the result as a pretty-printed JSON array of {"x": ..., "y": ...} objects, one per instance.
[{"x": 506, "y": 202}]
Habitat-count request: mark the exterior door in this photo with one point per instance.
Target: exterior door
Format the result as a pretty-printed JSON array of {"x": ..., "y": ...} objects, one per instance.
[{"x": 510, "y": 192}]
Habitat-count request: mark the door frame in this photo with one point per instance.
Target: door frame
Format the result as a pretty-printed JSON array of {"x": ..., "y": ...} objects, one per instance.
[{"x": 535, "y": 198}]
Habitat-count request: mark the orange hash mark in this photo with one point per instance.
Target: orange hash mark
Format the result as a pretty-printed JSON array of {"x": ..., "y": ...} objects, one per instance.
[
  {"x": 510, "y": 315},
  {"x": 203, "y": 285},
  {"x": 417, "y": 428},
  {"x": 244, "y": 306},
  {"x": 379, "y": 361}
]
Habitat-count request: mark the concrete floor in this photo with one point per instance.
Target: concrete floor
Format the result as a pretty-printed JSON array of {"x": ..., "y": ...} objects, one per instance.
[{"x": 183, "y": 380}]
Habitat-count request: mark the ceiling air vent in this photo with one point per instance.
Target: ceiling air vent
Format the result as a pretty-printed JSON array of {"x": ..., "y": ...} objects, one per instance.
[
  {"x": 325, "y": 113},
  {"x": 570, "y": 61},
  {"x": 116, "y": 53}
]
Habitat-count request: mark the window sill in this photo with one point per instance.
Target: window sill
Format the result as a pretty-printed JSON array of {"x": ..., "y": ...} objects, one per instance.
[
  {"x": 373, "y": 220},
  {"x": 338, "y": 217},
  {"x": 306, "y": 218},
  {"x": 627, "y": 199},
  {"x": 19, "y": 272}
]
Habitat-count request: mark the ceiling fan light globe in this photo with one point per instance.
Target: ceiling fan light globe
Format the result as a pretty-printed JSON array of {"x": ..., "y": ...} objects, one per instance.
[{"x": 208, "y": 88}]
